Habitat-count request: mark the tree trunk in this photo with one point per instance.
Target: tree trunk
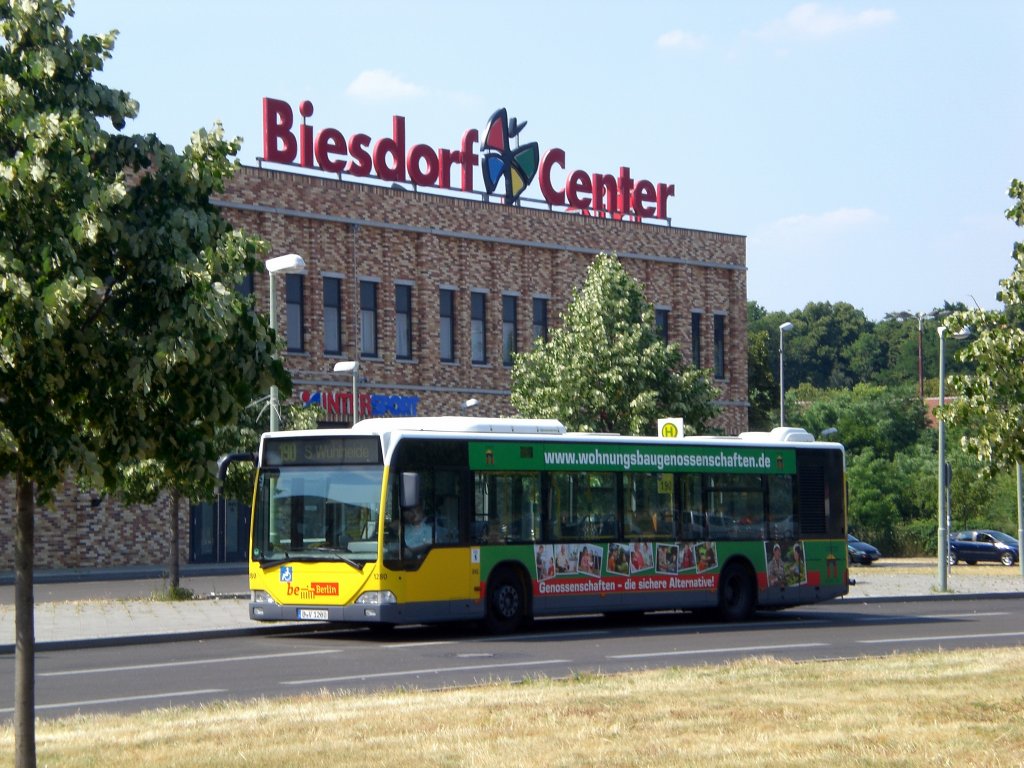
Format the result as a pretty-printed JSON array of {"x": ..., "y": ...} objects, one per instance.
[
  {"x": 173, "y": 569},
  {"x": 24, "y": 627}
]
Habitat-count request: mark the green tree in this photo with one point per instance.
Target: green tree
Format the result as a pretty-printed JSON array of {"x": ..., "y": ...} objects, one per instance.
[
  {"x": 874, "y": 495},
  {"x": 605, "y": 369},
  {"x": 117, "y": 314},
  {"x": 887, "y": 420},
  {"x": 144, "y": 481},
  {"x": 988, "y": 403},
  {"x": 762, "y": 362},
  {"x": 820, "y": 350}
]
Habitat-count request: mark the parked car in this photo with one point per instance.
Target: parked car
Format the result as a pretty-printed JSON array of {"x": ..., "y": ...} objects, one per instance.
[
  {"x": 974, "y": 546},
  {"x": 860, "y": 551}
]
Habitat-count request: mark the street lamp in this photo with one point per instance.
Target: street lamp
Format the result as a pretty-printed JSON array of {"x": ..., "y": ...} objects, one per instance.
[
  {"x": 352, "y": 367},
  {"x": 291, "y": 262},
  {"x": 783, "y": 329},
  {"x": 943, "y": 547}
]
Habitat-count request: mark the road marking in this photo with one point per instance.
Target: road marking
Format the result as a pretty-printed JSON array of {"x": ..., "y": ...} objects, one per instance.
[
  {"x": 683, "y": 628},
  {"x": 191, "y": 663},
  {"x": 964, "y": 615},
  {"x": 933, "y": 638},
  {"x": 122, "y": 699},
  {"x": 425, "y": 671},
  {"x": 390, "y": 646},
  {"x": 702, "y": 652},
  {"x": 568, "y": 635}
]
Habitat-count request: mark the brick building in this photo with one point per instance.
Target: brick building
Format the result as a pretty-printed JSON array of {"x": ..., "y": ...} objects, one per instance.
[{"x": 431, "y": 293}]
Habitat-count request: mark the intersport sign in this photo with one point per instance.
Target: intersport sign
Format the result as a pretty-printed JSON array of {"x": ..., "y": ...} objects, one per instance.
[{"x": 505, "y": 168}]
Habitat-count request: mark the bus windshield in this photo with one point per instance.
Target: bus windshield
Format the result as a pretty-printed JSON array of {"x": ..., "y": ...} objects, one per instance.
[{"x": 316, "y": 513}]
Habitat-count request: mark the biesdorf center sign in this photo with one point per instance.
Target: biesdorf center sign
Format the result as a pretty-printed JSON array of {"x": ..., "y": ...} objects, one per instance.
[{"x": 507, "y": 168}]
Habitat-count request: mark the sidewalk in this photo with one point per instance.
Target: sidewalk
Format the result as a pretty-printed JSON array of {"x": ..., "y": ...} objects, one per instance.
[{"x": 118, "y": 608}]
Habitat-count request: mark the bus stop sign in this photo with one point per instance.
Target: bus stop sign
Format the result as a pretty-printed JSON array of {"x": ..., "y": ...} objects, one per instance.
[{"x": 670, "y": 427}]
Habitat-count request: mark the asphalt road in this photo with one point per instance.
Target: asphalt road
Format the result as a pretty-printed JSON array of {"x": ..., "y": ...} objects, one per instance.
[{"x": 137, "y": 677}]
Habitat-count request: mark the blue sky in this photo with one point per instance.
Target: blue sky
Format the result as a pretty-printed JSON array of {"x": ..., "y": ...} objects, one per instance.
[{"x": 863, "y": 148}]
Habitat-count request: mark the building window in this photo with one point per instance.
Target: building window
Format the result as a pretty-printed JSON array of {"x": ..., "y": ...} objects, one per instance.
[
  {"x": 368, "y": 318},
  {"x": 509, "y": 328},
  {"x": 295, "y": 317},
  {"x": 403, "y": 322},
  {"x": 477, "y": 327},
  {"x": 540, "y": 318},
  {"x": 695, "y": 338},
  {"x": 719, "y": 346},
  {"x": 661, "y": 323},
  {"x": 332, "y": 315},
  {"x": 447, "y": 325}
]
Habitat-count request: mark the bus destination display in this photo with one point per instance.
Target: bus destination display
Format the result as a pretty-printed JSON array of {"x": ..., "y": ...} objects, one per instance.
[{"x": 294, "y": 451}]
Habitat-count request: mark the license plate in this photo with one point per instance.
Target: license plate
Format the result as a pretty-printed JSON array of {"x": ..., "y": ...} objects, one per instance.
[{"x": 311, "y": 614}]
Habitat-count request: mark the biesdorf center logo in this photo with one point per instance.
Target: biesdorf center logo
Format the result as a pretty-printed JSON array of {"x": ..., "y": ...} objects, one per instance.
[{"x": 516, "y": 166}]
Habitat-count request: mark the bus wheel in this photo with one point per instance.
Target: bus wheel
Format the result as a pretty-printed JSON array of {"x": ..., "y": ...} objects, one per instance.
[
  {"x": 506, "y": 602},
  {"x": 737, "y": 593}
]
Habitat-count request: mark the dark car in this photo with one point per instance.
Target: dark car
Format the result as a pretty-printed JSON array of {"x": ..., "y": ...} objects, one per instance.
[
  {"x": 974, "y": 546},
  {"x": 860, "y": 551}
]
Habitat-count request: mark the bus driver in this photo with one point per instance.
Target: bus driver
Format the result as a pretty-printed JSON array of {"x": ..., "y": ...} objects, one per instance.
[{"x": 417, "y": 531}]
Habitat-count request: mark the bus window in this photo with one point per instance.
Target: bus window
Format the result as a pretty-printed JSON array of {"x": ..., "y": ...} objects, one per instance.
[
  {"x": 648, "y": 506},
  {"x": 440, "y": 493},
  {"x": 781, "y": 516},
  {"x": 583, "y": 506},
  {"x": 691, "y": 514},
  {"x": 316, "y": 510},
  {"x": 439, "y": 506},
  {"x": 506, "y": 507},
  {"x": 736, "y": 506}
]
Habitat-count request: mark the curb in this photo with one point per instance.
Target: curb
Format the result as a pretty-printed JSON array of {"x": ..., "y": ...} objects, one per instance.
[
  {"x": 128, "y": 573},
  {"x": 8, "y": 649},
  {"x": 952, "y": 596}
]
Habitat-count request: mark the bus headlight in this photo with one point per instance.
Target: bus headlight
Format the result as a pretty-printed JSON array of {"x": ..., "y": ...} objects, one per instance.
[
  {"x": 383, "y": 597},
  {"x": 259, "y": 596}
]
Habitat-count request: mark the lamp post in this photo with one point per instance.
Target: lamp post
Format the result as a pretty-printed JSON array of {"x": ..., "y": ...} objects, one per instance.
[
  {"x": 783, "y": 329},
  {"x": 352, "y": 367},
  {"x": 943, "y": 513},
  {"x": 291, "y": 262}
]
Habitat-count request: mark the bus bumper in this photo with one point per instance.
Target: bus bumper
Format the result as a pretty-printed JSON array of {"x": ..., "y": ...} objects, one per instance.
[
  {"x": 391, "y": 613},
  {"x": 361, "y": 614}
]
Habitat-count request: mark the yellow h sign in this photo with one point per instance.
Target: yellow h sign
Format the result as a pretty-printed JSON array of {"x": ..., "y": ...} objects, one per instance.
[{"x": 670, "y": 427}]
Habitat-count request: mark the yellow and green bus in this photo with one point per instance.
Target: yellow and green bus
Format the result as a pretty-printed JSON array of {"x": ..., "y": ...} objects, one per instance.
[{"x": 423, "y": 520}]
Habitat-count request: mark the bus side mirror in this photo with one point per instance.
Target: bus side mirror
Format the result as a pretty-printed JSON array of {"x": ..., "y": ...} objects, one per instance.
[{"x": 409, "y": 490}]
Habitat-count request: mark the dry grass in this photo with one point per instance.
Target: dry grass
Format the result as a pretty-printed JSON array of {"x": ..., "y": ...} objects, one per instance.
[{"x": 927, "y": 709}]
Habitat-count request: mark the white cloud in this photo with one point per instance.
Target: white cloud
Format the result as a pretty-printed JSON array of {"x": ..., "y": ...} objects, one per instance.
[
  {"x": 677, "y": 38},
  {"x": 809, "y": 21},
  {"x": 381, "y": 85},
  {"x": 823, "y": 224},
  {"x": 806, "y": 228}
]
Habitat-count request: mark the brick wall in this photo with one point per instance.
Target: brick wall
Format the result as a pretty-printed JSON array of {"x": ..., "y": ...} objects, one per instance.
[
  {"x": 85, "y": 529},
  {"x": 428, "y": 240}
]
